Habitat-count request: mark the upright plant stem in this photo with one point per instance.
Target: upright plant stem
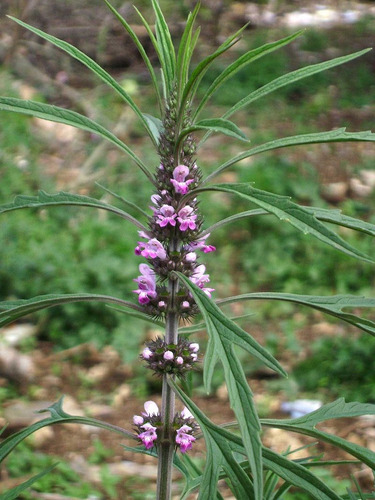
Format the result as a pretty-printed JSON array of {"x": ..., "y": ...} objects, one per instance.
[{"x": 166, "y": 445}]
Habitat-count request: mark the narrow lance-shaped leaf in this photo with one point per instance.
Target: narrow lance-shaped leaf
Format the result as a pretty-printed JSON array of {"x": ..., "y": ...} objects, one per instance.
[
  {"x": 15, "y": 492},
  {"x": 286, "y": 210},
  {"x": 332, "y": 305},
  {"x": 241, "y": 62},
  {"x": 225, "y": 127},
  {"x": 288, "y": 79},
  {"x": 297, "y": 475},
  {"x": 61, "y": 115},
  {"x": 50, "y": 200},
  {"x": 224, "y": 334},
  {"x": 222, "y": 326},
  {"x": 58, "y": 416},
  {"x": 139, "y": 315},
  {"x": 219, "y": 456},
  {"x": 165, "y": 44},
  {"x": 141, "y": 51},
  {"x": 13, "y": 309},
  {"x": 322, "y": 214},
  {"x": 125, "y": 202},
  {"x": 185, "y": 49},
  {"x": 90, "y": 64},
  {"x": 188, "y": 330},
  {"x": 155, "y": 125},
  {"x": 292, "y": 77},
  {"x": 290, "y": 471},
  {"x": 336, "y": 409},
  {"x": 180, "y": 464},
  {"x": 202, "y": 67},
  {"x": 338, "y": 135}
]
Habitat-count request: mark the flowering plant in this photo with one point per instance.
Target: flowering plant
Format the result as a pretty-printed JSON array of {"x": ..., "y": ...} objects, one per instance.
[{"x": 173, "y": 285}]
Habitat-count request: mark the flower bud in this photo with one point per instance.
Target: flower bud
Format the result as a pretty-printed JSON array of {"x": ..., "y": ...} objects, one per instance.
[
  {"x": 138, "y": 420},
  {"x": 147, "y": 353},
  {"x": 194, "y": 347}
]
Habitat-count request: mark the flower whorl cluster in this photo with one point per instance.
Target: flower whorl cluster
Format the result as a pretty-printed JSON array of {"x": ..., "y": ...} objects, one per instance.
[
  {"x": 148, "y": 425},
  {"x": 173, "y": 237},
  {"x": 175, "y": 359}
]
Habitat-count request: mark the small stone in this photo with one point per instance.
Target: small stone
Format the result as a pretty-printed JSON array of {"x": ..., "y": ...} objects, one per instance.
[
  {"x": 43, "y": 436},
  {"x": 368, "y": 177},
  {"x": 99, "y": 372},
  {"x": 358, "y": 188},
  {"x": 334, "y": 192},
  {"x": 13, "y": 335},
  {"x": 99, "y": 411},
  {"x": 121, "y": 395},
  {"x": 222, "y": 393}
]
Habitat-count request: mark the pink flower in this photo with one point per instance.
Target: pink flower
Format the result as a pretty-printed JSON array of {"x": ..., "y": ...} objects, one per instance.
[
  {"x": 146, "y": 284},
  {"x": 199, "y": 278},
  {"x": 194, "y": 347},
  {"x": 186, "y": 218},
  {"x": 138, "y": 420},
  {"x": 184, "y": 439},
  {"x": 151, "y": 409},
  {"x": 185, "y": 304},
  {"x": 166, "y": 215},
  {"x": 147, "y": 353},
  {"x": 179, "y": 174},
  {"x": 200, "y": 244},
  {"x": 179, "y": 360},
  {"x": 149, "y": 436},
  {"x": 186, "y": 414},
  {"x": 191, "y": 257},
  {"x": 168, "y": 355},
  {"x": 151, "y": 249}
]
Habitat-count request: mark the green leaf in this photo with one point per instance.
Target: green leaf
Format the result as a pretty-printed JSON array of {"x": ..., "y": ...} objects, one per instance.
[
  {"x": 125, "y": 202},
  {"x": 185, "y": 50},
  {"x": 165, "y": 44},
  {"x": 14, "y": 309},
  {"x": 241, "y": 62},
  {"x": 322, "y": 214},
  {"x": 219, "y": 456},
  {"x": 292, "y": 77},
  {"x": 188, "y": 330},
  {"x": 90, "y": 64},
  {"x": 332, "y": 305},
  {"x": 337, "y": 135},
  {"x": 61, "y": 115},
  {"x": 58, "y": 416},
  {"x": 49, "y": 200},
  {"x": 198, "y": 73},
  {"x": 15, "y": 492},
  {"x": 297, "y": 475},
  {"x": 225, "y": 443},
  {"x": 216, "y": 125},
  {"x": 286, "y": 210},
  {"x": 219, "y": 326},
  {"x": 141, "y": 50},
  {"x": 336, "y": 217},
  {"x": 155, "y": 125},
  {"x": 139, "y": 315},
  {"x": 337, "y": 409},
  {"x": 224, "y": 334}
]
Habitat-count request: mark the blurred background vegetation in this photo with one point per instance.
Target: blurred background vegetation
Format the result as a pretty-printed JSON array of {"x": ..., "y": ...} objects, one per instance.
[{"x": 80, "y": 250}]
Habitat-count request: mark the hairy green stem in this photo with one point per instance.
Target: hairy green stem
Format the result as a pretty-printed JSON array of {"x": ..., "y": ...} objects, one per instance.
[{"x": 166, "y": 445}]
